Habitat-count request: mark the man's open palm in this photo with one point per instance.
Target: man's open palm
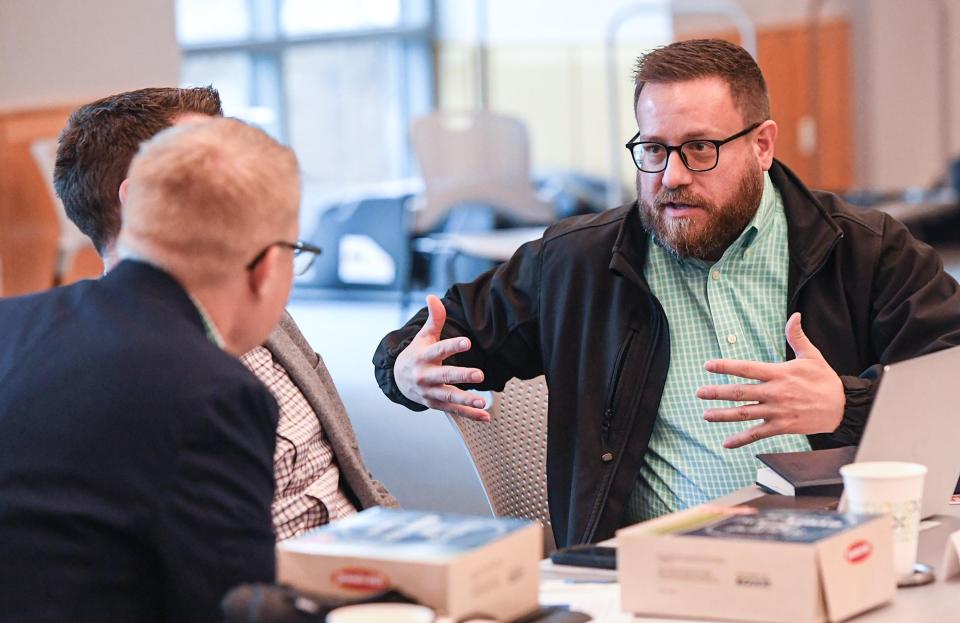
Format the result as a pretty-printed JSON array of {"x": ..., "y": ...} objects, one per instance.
[
  {"x": 422, "y": 377},
  {"x": 802, "y": 396}
]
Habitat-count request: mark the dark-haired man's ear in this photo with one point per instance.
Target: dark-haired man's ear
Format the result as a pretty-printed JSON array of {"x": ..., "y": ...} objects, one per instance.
[{"x": 122, "y": 193}]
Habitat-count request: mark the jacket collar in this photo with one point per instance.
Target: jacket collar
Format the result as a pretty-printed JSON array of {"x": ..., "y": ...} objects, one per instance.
[
  {"x": 811, "y": 231},
  {"x": 630, "y": 249},
  {"x": 156, "y": 284}
]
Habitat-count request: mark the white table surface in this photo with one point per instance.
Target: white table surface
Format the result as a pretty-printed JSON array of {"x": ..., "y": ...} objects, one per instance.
[
  {"x": 497, "y": 245},
  {"x": 938, "y": 602}
]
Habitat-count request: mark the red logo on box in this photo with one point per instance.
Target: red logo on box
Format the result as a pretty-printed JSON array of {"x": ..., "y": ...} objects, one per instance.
[
  {"x": 360, "y": 579},
  {"x": 859, "y": 551}
]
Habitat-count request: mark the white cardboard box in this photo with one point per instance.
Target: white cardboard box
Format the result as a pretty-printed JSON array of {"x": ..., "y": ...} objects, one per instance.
[
  {"x": 457, "y": 565},
  {"x": 739, "y": 564}
]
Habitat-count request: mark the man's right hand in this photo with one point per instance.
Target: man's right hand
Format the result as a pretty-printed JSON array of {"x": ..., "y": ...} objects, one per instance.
[{"x": 422, "y": 377}]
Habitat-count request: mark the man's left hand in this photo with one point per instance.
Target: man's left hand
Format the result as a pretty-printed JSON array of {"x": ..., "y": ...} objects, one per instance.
[{"x": 803, "y": 396}]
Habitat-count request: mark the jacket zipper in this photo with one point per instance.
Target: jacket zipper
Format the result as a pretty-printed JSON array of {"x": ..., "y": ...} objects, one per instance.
[
  {"x": 604, "y": 488},
  {"x": 607, "y": 420}
]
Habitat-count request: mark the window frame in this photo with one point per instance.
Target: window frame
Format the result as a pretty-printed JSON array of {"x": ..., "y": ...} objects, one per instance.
[{"x": 266, "y": 47}]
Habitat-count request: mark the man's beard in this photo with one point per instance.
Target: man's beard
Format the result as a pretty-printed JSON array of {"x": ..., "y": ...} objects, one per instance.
[{"x": 705, "y": 240}]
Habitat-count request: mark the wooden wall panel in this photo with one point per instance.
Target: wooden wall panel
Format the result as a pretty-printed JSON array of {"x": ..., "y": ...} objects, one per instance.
[
  {"x": 29, "y": 227},
  {"x": 834, "y": 107}
]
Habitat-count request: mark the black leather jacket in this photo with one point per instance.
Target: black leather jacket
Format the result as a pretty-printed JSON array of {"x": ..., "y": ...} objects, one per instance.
[{"x": 576, "y": 307}]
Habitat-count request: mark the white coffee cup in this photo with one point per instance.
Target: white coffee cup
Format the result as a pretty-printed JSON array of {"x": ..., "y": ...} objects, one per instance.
[
  {"x": 893, "y": 489},
  {"x": 379, "y": 612}
]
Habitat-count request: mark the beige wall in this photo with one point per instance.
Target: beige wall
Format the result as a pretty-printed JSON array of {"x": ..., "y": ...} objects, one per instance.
[
  {"x": 546, "y": 64},
  {"x": 66, "y": 51},
  {"x": 557, "y": 85},
  {"x": 898, "y": 91},
  {"x": 770, "y": 13},
  {"x": 898, "y": 128},
  {"x": 559, "y": 91},
  {"x": 55, "y": 54}
]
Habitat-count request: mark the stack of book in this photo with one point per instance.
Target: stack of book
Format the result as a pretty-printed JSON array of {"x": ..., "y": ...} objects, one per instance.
[
  {"x": 805, "y": 473},
  {"x": 747, "y": 565},
  {"x": 458, "y": 565}
]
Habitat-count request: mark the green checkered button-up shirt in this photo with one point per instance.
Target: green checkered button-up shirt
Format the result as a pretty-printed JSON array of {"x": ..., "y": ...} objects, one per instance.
[{"x": 735, "y": 308}]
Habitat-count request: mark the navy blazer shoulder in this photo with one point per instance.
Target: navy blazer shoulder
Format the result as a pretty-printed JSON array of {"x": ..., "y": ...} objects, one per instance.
[{"x": 135, "y": 456}]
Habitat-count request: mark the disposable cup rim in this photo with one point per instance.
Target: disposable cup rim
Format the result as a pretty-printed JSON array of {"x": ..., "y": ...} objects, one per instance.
[
  {"x": 422, "y": 613},
  {"x": 864, "y": 470}
]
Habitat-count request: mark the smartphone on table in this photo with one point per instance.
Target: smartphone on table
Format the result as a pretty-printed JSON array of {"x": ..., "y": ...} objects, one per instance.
[{"x": 588, "y": 555}]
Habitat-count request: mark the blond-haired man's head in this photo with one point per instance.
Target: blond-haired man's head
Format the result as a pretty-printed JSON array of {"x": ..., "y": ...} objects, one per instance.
[{"x": 203, "y": 199}]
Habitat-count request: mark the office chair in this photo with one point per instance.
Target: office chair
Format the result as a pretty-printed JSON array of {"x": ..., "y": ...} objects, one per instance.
[
  {"x": 473, "y": 160},
  {"x": 510, "y": 452}
]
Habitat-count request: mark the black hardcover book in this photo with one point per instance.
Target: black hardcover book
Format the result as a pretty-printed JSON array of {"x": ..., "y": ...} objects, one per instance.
[{"x": 805, "y": 473}]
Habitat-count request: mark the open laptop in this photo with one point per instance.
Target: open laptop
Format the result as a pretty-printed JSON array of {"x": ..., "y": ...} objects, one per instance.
[{"x": 916, "y": 418}]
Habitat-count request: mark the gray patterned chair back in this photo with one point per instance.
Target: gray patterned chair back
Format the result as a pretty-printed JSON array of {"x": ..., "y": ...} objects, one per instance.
[{"x": 510, "y": 452}]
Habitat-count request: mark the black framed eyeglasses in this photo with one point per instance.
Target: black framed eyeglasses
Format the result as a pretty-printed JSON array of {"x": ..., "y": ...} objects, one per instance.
[
  {"x": 304, "y": 254},
  {"x": 698, "y": 155}
]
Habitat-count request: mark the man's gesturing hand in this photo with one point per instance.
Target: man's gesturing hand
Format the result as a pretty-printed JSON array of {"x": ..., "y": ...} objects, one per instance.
[
  {"x": 802, "y": 396},
  {"x": 422, "y": 377}
]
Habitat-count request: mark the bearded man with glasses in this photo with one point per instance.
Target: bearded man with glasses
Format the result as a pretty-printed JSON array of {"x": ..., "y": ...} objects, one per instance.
[{"x": 669, "y": 330}]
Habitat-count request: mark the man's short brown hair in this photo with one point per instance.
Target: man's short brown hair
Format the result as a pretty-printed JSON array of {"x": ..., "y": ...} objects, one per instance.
[
  {"x": 708, "y": 58},
  {"x": 98, "y": 143}
]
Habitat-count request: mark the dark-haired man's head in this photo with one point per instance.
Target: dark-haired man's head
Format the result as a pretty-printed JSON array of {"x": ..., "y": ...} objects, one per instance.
[
  {"x": 98, "y": 144},
  {"x": 702, "y": 89}
]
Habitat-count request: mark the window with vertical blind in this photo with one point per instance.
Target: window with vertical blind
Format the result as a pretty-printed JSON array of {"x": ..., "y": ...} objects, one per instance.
[{"x": 339, "y": 81}]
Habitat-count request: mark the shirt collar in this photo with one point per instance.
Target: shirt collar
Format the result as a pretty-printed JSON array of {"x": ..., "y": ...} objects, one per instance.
[
  {"x": 761, "y": 220},
  {"x": 208, "y": 325}
]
